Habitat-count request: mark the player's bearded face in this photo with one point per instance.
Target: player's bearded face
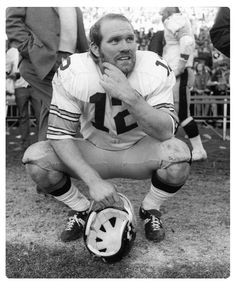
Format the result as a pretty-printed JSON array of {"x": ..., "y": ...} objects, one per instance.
[{"x": 118, "y": 45}]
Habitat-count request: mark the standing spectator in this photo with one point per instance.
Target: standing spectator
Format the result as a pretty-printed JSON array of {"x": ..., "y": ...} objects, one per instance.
[
  {"x": 219, "y": 83},
  {"x": 202, "y": 77},
  {"x": 9, "y": 85},
  {"x": 43, "y": 36},
  {"x": 10, "y": 90},
  {"x": 24, "y": 95},
  {"x": 142, "y": 39},
  {"x": 178, "y": 52},
  {"x": 157, "y": 43},
  {"x": 220, "y": 31}
]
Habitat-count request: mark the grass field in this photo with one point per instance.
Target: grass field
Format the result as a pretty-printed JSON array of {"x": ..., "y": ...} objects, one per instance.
[{"x": 197, "y": 223}]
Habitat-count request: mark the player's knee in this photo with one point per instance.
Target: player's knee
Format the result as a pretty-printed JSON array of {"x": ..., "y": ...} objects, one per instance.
[
  {"x": 175, "y": 174},
  {"x": 35, "y": 152},
  {"x": 41, "y": 176},
  {"x": 172, "y": 178},
  {"x": 44, "y": 178},
  {"x": 36, "y": 173},
  {"x": 175, "y": 166}
]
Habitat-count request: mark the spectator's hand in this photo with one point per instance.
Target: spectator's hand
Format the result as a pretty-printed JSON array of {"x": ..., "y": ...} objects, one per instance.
[
  {"x": 115, "y": 82},
  {"x": 12, "y": 76},
  {"x": 207, "y": 90},
  {"x": 104, "y": 194},
  {"x": 200, "y": 91}
]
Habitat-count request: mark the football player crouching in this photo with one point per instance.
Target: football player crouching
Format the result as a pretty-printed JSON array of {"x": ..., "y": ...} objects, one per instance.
[{"x": 122, "y": 100}]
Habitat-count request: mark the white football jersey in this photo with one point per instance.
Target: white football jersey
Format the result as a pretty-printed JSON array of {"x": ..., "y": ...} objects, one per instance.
[
  {"x": 79, "y": 99},
  {"x": 179, "y": 40}
]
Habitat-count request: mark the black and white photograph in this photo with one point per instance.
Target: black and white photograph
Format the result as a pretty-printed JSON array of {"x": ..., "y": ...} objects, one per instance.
[{"x": 117, "y": 132}]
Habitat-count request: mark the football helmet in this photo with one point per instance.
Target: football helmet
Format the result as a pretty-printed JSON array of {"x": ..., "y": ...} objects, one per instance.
[{"x": 109, "y": 233}]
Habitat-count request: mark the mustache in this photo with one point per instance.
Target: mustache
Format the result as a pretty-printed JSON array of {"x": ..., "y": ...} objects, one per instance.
[{"x": 125, "y": 54}]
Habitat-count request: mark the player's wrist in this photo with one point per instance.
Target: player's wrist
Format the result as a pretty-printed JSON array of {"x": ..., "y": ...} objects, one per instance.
[
  {"x": 133, "y": 98},
  {"x": 93, "y": 180}
]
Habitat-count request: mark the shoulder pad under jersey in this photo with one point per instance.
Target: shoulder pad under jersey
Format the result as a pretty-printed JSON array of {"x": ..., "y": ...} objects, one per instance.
[
  {"x": 79, "y": 76},
  {"x": 150, "y": 72}
]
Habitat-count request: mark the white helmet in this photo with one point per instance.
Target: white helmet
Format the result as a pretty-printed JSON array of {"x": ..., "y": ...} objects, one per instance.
[{"x": 110, "y": 232}]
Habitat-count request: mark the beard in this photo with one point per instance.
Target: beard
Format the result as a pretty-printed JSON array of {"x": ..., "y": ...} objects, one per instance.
[{"x": 125, "y": 61}]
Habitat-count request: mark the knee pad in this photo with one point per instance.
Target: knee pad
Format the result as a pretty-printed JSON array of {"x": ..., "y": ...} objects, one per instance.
[
  {"x": 35, "y": 151},
  {"x": 174, "y": 168},
  {"x": 37, "y": 174},
  {"x": 37, "y": 167},
  {"x": 172, "y": 178},
  {"x": 29, "y": 157}
]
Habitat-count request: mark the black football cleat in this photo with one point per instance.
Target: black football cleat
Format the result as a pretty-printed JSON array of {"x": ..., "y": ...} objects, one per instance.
[
  {"x": 75, "y": 226},
  {"x": 153, "y": 227}
]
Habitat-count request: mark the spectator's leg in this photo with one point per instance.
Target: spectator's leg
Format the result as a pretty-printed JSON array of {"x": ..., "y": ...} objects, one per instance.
[
  {"x": 22, "y": 101},
  {"x": 43, "y": 90},
  {"x": 36, "y": 105}
]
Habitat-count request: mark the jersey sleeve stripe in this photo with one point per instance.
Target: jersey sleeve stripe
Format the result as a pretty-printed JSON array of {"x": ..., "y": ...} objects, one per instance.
[
  {"x": 56, "y": 109},
  {"x": 165, "y": 105},
  {"x": 59, "y": 131},
  {"x": 62, "y": 125},
  {"x": 63, "y": 116}
]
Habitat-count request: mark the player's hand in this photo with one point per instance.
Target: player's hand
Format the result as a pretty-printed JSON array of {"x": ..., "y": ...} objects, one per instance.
[
  {"x": 104, "y": 194},
  {"x": 115, "y": 82},
  {"x": 180, "y": 69}
]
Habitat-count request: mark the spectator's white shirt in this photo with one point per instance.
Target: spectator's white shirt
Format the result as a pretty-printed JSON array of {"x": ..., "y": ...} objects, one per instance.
[
  {"x": 105, "y": 121},
  {"x": 68, "y": 33},
  {"x": 12, "y": 60}
]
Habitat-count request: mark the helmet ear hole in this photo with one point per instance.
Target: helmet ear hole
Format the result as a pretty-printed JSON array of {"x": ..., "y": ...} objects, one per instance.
[
  {"x": 112, "y": 221},
  {"x": 110, "y": 232}
]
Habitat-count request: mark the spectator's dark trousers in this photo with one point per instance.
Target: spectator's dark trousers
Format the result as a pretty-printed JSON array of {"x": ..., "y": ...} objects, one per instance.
[
  {"x": 24, "y": 95},
  {"x": 42, "y": 90}
]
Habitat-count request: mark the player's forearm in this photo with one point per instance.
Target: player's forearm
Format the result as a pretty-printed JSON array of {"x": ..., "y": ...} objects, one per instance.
[
  {"x": 156, "y": 123},
  {"x": 70, "y": 155}
]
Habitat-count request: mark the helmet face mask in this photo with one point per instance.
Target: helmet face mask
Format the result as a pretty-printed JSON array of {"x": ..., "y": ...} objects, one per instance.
[{"x": 110, "y": 232}]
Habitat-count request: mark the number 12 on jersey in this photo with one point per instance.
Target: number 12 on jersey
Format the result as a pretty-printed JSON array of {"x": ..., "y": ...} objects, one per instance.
[{"x": 99, "y": 99}]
